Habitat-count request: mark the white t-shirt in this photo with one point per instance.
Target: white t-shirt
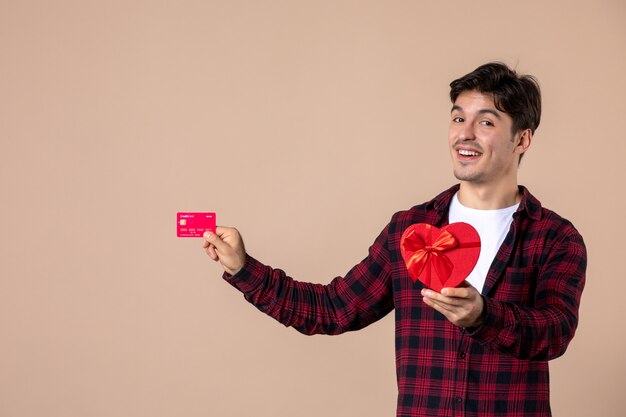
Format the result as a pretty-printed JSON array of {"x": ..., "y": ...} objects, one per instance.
[{"x": 492, "y": 227}]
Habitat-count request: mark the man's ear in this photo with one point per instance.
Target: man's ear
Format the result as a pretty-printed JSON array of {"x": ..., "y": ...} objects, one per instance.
[{"x": 524, "y": 141}]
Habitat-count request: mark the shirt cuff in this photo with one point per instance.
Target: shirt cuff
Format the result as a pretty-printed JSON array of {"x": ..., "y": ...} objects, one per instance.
[
  {"x": 492, "y": 324},
  {"x": 249, "y": 278}
]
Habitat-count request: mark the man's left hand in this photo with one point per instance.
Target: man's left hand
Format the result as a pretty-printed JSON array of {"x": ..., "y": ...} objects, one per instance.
[{"x": 463, "y": 306}]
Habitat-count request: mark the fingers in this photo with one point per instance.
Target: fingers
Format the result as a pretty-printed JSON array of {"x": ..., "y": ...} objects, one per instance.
[
  {"x": 225, "y": 245},
  {"x": 459, "y": 292},
  {"x": 443, "y": 305},
  {"x": 444, "y": 309},
  {"x": 211, "y": 240},
  {"x": 214, "y": 240},
  {"x": 448, "y": 296},
  {"x": 463, "y": 291},
  {"x": 210, "y": 250},
  {"x": 462, "y": 306},
  {"x": 437, "y": 305}
]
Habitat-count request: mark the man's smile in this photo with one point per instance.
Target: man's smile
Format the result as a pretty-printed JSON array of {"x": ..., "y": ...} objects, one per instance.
[{"x": 467, "y": 154}]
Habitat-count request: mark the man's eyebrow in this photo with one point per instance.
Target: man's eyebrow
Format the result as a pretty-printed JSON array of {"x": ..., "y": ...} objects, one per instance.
[
  {"x": 493, "y": 112},
  {"x": 490, "y": 111}
]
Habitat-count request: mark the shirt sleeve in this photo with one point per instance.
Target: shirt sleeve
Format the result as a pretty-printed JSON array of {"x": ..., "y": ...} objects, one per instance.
[
  {"x": 347, "y": 303},
  {"x": 543, "y": 331}
]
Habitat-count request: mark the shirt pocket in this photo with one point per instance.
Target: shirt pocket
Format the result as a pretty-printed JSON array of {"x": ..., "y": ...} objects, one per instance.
[{"x": 518, "y": 286}]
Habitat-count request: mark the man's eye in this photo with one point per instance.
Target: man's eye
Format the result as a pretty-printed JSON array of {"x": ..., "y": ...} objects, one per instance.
[
  {"x": 486, "y": 123},
  {"x": 457, "y": 119}
]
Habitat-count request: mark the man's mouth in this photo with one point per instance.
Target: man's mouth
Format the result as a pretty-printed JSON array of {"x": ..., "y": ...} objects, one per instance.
[{"x": 468, "y": 153}]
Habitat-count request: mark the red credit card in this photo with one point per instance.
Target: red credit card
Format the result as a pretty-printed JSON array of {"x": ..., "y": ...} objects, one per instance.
[{"x": 194, "y": 224}]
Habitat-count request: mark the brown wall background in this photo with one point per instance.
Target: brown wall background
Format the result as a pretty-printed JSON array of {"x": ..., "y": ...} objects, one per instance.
[{"x": 306, "y": 124}]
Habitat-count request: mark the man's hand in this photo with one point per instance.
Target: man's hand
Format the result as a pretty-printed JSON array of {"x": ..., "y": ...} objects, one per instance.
[
  {"x": 463, "y": 306},
  {"x": 226, "y": 246}
]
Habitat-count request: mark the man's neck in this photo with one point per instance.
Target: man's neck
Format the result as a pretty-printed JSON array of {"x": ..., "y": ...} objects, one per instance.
[{"x": 488, "y": 197}]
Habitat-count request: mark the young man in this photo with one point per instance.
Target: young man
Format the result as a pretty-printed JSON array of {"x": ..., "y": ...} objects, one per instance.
[{"x": 481, "y": 349}]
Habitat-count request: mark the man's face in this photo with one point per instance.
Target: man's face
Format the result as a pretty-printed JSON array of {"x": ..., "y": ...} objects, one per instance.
[{"x": 483, "y": 149}]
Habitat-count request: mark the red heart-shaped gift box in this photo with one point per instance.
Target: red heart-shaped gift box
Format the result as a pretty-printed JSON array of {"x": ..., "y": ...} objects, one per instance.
[{"x": 440, "y": 257}]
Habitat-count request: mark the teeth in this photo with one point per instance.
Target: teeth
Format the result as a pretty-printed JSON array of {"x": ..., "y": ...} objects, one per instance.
[{"x": 468, "y": 153}]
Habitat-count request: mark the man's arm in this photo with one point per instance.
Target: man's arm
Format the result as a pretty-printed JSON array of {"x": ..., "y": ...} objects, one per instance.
[
  {"x": 540, "y": 332},
  {"x": 352, "y": 302}
]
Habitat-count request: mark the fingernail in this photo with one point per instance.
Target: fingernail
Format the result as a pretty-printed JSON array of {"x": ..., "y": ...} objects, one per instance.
[
  {"x": 444, "y": 291},
  {"x": 207, "y": 235}
]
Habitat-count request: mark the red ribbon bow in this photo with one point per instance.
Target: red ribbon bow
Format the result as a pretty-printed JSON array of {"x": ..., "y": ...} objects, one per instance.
[{"x": 427, "y": 255}]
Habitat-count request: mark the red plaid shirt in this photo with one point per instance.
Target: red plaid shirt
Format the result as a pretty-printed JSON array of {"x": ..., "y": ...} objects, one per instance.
[{"x": 500, "y": 368}]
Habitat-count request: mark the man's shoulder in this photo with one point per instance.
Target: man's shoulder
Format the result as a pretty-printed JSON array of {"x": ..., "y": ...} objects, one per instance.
[
  {"x": 540, "y": 219},
  {"x": 555, "y": 222}
]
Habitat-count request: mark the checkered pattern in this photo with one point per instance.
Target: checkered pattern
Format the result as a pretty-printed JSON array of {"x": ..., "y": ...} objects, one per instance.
[{"x": 500, "y": 368}]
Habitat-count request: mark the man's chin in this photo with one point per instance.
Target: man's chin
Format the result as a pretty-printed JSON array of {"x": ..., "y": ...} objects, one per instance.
[{"x": 467, "y": 176}]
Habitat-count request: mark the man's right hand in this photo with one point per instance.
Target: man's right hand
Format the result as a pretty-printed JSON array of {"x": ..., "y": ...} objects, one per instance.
[{"x": 226, "y": 246}]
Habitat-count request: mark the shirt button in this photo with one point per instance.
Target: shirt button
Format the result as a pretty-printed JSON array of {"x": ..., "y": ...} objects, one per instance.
[
  {"x": 459, "y": 400},
  {"x": 462, "y": 355}
]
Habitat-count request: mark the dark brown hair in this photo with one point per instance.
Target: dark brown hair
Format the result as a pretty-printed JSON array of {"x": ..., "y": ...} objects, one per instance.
[{"x": 517, "y": 95}]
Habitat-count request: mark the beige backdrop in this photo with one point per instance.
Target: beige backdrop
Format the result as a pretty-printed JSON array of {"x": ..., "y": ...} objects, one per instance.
[{"x": 306, "y": 124}]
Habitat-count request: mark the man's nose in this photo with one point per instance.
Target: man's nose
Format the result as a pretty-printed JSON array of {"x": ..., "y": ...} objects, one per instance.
[{"x": 466, "y": 132}]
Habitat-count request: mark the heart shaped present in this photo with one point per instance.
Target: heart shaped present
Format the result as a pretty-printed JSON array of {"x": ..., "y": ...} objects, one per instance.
[{"x": 440, "y": 257}]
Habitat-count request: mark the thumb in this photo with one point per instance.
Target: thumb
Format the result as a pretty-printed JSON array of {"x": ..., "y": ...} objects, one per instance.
[{"x": 215, "y": 240}]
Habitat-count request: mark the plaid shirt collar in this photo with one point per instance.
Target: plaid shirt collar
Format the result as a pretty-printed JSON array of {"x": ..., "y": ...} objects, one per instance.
[{"x": 529, "y": 205}]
